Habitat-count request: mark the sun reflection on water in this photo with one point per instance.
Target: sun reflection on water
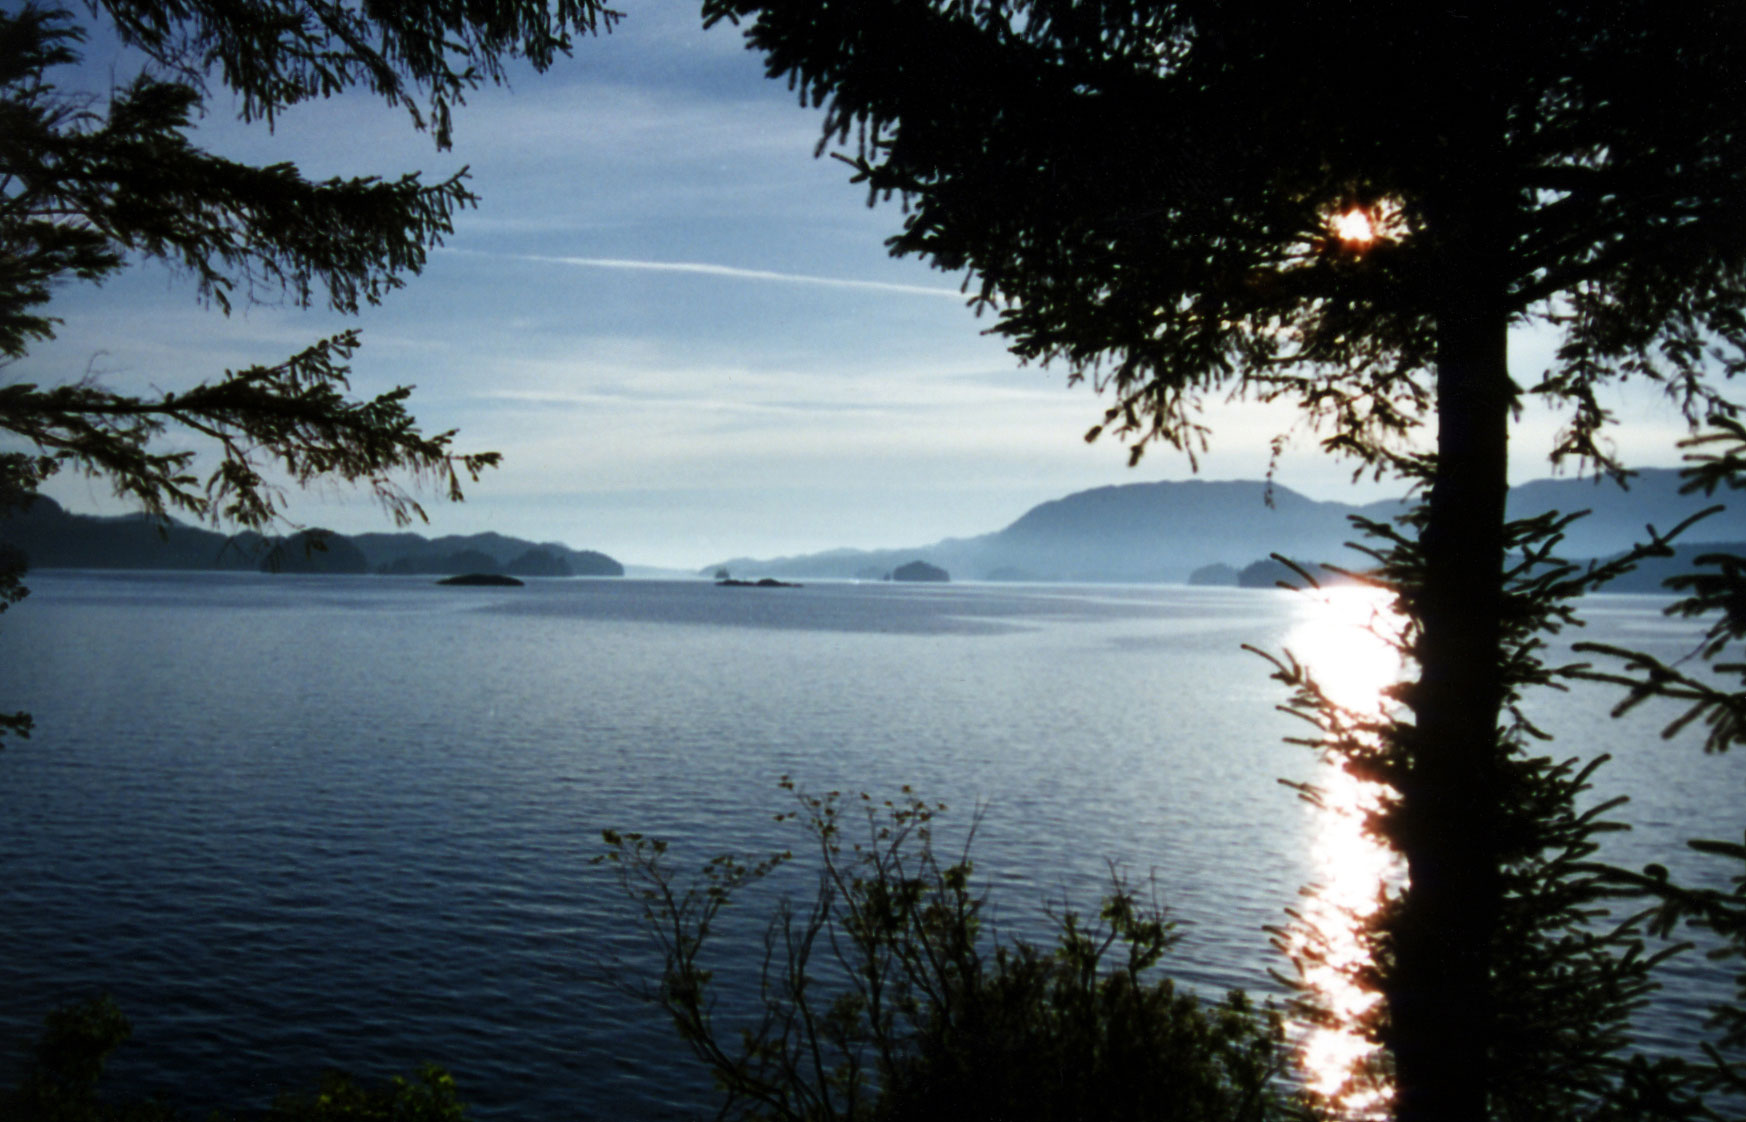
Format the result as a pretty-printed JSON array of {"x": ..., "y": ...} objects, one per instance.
[{"x": 1344, "y": 639}]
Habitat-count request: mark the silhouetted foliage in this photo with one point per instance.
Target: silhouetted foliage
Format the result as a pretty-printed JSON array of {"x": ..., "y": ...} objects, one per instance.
[
  {"x": 86, "y": 190},
  {"x": 428, "y": 1097},
  {"x": 13, "y": 563},
  {"x": 1710, "y": 687},
  {"x": 1144, "y": 188},
  {"x": 63, "y": 1083},
  {"x": 886, "y": 996},
  {"x": 1721, "y": 913},
  {"x": 1348, "y": 206},
  {"x": 1716, "y": 592}
]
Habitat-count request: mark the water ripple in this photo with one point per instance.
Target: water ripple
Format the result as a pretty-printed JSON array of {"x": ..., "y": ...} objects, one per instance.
[{"x": 301, "y": 822}]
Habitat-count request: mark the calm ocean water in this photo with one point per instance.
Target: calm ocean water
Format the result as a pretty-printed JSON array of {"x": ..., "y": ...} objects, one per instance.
[{"x": 300, "y": 822}]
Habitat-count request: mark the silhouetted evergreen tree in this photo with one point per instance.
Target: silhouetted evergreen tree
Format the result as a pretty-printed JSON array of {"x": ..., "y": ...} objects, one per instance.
[
  {"x": 1347, "y": 205},
  {"x": 1710, "y": 687}
]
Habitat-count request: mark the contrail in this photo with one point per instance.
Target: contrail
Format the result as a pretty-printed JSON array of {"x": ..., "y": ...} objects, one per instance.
[{"x": 703, "y": 268}]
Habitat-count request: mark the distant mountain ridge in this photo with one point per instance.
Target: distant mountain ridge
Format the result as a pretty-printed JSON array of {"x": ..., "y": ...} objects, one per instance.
[
  {"x": 1137, "y": 532},
  {"x": 53, "y": 538},
  {"x": 1163, "y": 531}
]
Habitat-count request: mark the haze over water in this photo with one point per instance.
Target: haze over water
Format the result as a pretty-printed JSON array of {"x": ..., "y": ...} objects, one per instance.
[{"x": 297, "y": 822}]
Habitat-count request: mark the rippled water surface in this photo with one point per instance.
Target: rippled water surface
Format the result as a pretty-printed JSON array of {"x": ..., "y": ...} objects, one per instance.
[{"x": 297, "y": 822}]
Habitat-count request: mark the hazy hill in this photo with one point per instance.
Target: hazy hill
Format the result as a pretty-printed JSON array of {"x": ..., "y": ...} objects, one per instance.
[
  {"x": 1617, "y": 516},
  {"x": 414, "y": 553},
  {"x": 1164, "y": 531},
  {"x": 1649, "y": 575},
  {"x": 313, "y": 552},
  {"x": 1133, "y": 532},
  {"x": 52, "y": 538}
]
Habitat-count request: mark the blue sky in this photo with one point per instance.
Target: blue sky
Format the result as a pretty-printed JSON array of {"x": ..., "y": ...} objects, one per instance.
[{"x": 680, "y": 328}]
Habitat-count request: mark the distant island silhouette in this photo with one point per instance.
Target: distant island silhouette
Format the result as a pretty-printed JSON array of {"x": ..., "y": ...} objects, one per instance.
[
  {"x": 486, "y": 580},
  {"x": 50, "y": 537},
  {"x": 1205, "y": 532},
  {"x": 1209, "y": 531}
]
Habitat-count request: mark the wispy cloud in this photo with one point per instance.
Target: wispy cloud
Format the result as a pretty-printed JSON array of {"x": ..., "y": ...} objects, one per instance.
[{"x": 731, "y": 272}]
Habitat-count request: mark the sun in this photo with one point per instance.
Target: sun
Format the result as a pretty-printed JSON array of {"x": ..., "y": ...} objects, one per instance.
[{"x": 1354, "y": 227}]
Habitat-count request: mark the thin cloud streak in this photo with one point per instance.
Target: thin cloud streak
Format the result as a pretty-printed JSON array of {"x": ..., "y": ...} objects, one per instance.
[{"x": 704, "y": 268}]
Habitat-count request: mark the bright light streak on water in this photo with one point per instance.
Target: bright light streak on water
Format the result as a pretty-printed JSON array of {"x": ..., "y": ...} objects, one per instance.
[{"x": 1344, "y": 641}]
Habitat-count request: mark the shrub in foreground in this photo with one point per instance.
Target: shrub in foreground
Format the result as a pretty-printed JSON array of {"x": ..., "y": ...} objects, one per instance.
[
  {"x": 885, "y": 995},
  {"x": 62, "y": 1083}
]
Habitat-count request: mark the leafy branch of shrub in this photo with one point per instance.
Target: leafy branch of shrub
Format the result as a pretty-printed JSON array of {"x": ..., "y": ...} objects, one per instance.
[
  {"x": 62, "y": 1083},
  {"x": 887, "y": 994}
]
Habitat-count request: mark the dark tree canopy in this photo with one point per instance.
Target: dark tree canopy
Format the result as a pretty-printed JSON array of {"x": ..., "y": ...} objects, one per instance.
[
  {"x": 423, "y": 55},
  {"x": 1144, "y": 190},
  {"x": 88, "y": 188},
  {"x": 1347, "y": 205}
]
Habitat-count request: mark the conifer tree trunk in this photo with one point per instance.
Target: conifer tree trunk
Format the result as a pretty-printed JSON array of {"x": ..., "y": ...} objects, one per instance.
[{"x": 1439, "y": 995}]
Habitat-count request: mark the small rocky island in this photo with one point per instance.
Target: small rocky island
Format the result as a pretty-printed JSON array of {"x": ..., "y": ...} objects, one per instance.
[
  {"x": 767, "y": 582},
  {"x": 483, "y": 580},
  {"x": 918, "y": 571}
]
